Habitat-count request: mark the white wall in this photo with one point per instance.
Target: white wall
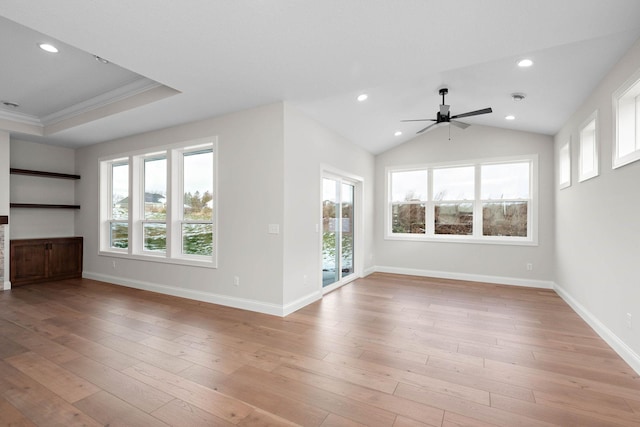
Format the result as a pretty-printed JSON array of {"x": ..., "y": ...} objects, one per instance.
[
  {"x": 309, "y": 147},
  {"x": 598, "y": 228},
  {"x": 4, "y": 205},
  {"x": 470, "y": 261},
  {"x": 35, "y": 223},
  {"x": 251, "y": 196}
]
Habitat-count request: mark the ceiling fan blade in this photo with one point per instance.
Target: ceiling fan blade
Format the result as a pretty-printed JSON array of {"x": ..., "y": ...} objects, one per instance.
[
  {"x": 419, "y": 120},
  {"x": 444, "y": 110},
  {"x": 461, "y": 125},
  {"x": 473, "y": 113},
  {"x": 429, "y": 127}
]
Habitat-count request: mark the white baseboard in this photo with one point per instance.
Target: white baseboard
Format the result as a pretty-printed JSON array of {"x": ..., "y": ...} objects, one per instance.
[
  {"x": 301, "y": 302},
  {"x": 7, "y": 285},
  {"x": 499, "y": 280},
  {"x": 619, "y": 346},
  {"x": 242, "y": 303}
]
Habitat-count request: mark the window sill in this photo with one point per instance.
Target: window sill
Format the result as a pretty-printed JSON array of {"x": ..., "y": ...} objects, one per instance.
[
  {"x": 161, "y": 259},
  {"x": 465, "y": 239}
]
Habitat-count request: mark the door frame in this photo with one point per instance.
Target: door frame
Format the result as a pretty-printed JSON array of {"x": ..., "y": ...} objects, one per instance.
[{"x": 358, "y": 217}]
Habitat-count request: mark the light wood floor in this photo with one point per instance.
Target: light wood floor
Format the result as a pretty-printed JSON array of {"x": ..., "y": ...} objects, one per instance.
[{"x": 384, "y": 351}]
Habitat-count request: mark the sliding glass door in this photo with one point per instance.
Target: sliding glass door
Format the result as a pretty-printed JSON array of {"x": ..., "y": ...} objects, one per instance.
[{"x": 338, "y": 197}]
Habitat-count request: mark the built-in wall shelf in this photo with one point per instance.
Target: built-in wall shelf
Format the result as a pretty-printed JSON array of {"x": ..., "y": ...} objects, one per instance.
[
  {"x": 42, "y": 206},
  {"x": 42, "y": 174},
  {"x": 16, "y": 171}
]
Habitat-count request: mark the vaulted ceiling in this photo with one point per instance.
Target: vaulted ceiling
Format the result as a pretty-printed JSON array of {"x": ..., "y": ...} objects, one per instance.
[{"x": 174, "y": 62}]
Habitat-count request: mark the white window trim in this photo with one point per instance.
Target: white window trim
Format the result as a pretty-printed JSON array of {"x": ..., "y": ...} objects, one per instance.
[
  {"x": 567, "y": 183},
  {"x": 135, "y": 250},
  {"x": 633, "y": 83},
  {"x": 582, "y": 175},
  {"x": 429, "y": 236}
]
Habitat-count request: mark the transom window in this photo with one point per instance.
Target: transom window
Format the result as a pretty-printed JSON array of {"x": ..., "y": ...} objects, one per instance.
[
  {"x": 482, "y": 201},
  {"x": 626, "y": 102},
  {"x": 159, "y": 205}
]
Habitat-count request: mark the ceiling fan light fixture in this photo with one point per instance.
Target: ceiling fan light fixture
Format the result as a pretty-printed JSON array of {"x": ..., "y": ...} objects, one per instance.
[
  {"x": 362, "y": 97},
  {"x": 526, "y": 62},
  {"x": 47, "y": 47}
]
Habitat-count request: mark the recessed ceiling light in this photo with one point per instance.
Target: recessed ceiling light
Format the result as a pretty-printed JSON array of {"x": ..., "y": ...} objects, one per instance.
[
  {"x": 363, "y": 97},
  {"x": 48, "y": 47},
  {"x": 398, "y": 133},
  {"x": 525, "y": 63},
  {"x": 518, "y": 96},
  {"x": 510, "y": 117}
]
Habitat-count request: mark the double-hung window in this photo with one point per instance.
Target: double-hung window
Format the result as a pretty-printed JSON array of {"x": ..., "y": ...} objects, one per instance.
[
  {"x": 160, "y": 204},
  {"x": 626, "y": 104},
  {"x": 491, "y": 201}
]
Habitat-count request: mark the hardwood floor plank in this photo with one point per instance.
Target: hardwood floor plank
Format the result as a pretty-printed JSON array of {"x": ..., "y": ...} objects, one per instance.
[
  {"x": 92, "y": 350},
  {"x": 180, "y": 413},
  {"x": 216, "y": 403},
  {"x": 39, "y": 344},
  {"x": 110, "y": 411},
  {"x": 554, "y": 415},
  {"x": 451, "y": 419},
  {"x": 145, "y": 353},
  {"x": 122, "y": 386},
  {"x": 208, "y": 360},
  {"x": 368, "y": 397},
  {"x": 60, "y": 381},
  {"x": 265, "y": 396},
  {"x": 465, "y": 407},
  {"x": 39, "y": 404},
  {"x": 10, "y": 416}
]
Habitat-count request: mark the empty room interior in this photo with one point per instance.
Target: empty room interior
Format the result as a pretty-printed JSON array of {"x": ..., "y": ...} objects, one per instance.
[{"x": 320, "y": 213}]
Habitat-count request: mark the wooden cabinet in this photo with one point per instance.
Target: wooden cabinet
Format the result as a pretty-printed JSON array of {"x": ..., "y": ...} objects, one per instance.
[{"x": 40, "y": 260}]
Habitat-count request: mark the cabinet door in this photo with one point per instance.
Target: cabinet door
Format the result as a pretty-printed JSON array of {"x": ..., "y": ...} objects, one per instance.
[
  {"x": 28, "y": 261},
  {"x": 65, "y": 258}
]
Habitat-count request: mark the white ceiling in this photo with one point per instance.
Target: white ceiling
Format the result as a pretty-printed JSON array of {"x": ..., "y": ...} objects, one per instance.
[{"x": 216, "y": 57}]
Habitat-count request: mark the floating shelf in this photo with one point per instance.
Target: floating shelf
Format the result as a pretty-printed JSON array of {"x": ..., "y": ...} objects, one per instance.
[
  {"x": 41, "y": 206},
  {"x": 15, "y": 171}
]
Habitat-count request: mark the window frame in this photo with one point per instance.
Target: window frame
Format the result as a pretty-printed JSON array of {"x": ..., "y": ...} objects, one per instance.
[
  {"x": 174, "y": 216},
  {"x": 595, "y": 171},
  {"x": 630, "y": 88},
  {"x": 477, "y": 237},
  {"x": 564, "y": 155}
]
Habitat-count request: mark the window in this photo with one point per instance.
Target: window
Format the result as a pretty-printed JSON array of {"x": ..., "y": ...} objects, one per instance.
[
  {"x": 588, "y": 166},
  {"x": 564, "y": 165},
  {"x": 160, "y": 205},
  {"x": 408, "y": 198},
  {"x": 483, "y": 201},
  {"x": 626, "y": 104}
]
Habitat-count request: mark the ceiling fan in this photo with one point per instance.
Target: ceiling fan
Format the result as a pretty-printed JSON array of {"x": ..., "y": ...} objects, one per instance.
[{"x": 444, "y": 115}]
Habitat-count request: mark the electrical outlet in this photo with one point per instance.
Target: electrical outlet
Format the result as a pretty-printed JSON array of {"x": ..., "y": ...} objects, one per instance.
[
  {"x": 305, "y": 280},
  {"x": 629, "y": 321},
  {"x": 113, "y": 264},
  {"x": 236, "y": 281},
  {"x": 529, "y": 266}
]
